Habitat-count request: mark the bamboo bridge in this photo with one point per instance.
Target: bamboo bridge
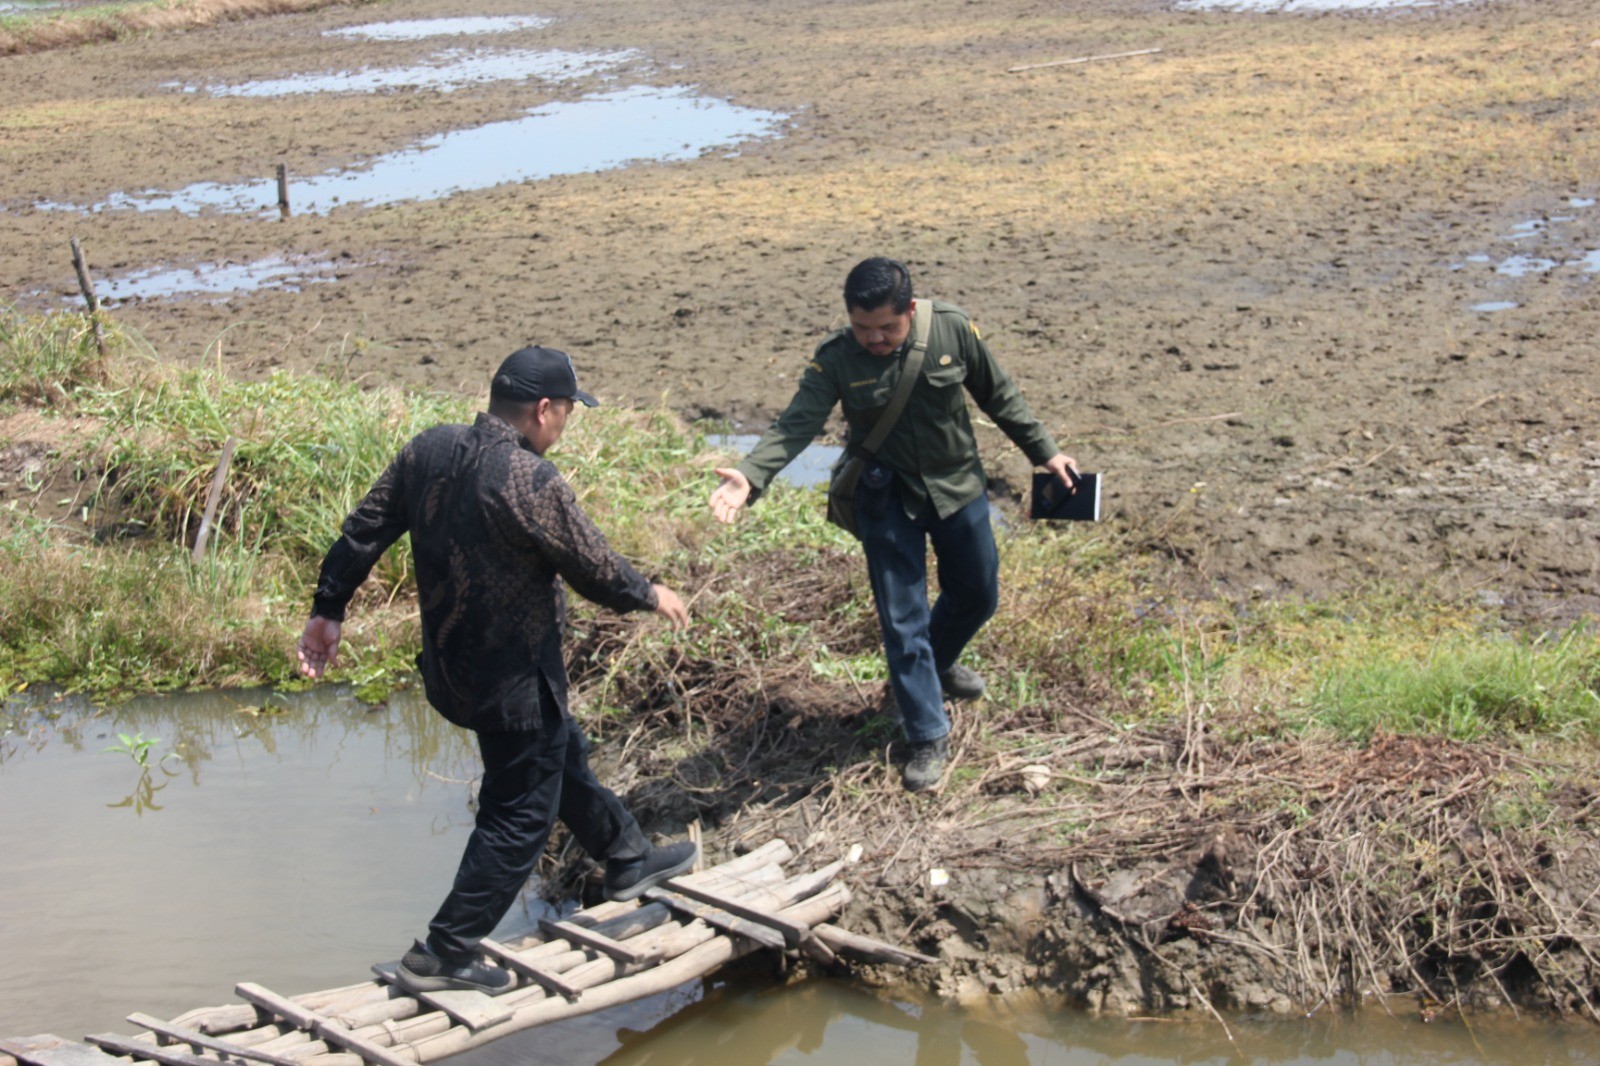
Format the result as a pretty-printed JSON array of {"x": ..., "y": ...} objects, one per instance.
[{"x": 596, "y": 958}]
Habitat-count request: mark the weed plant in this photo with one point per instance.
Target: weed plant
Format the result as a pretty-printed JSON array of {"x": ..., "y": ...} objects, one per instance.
[{"x": 44, "y": 358}]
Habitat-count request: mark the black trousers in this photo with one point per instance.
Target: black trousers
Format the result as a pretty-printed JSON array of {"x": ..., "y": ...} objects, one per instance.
[{"x": 529, "y": 779}]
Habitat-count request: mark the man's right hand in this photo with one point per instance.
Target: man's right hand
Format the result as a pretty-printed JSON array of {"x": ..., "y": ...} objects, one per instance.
[
  {"x": 730, "y": 495},
  {"x": 319, "y": 645},
  {"x": 670, "y": 606}
]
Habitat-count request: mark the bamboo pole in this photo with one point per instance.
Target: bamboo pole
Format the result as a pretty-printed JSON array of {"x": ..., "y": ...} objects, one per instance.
[
  {"x": 214, "y": 497},
  {"x": 1082, "y": 59},
  {"x": 86, "y": 286}
]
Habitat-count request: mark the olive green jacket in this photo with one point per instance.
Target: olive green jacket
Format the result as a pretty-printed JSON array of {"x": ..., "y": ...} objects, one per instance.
[{"x": 931, "y": 449}]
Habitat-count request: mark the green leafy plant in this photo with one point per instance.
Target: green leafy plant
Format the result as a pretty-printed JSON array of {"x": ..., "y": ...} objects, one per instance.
[{"x": 135, "y": 746}]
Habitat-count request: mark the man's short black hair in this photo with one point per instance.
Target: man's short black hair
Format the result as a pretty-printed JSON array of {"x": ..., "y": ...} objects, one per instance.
[{"x": 878, "y": 281}]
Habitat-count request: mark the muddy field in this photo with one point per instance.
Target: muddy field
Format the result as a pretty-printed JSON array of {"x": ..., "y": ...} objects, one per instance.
[{"x": 1252, "y": 277}]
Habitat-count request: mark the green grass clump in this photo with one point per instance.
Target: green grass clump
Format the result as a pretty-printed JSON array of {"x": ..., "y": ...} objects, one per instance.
[
  {"x": 308, "y": 448},
  {"x": 114, "y": 618},
  {"x": 43, "y": 358},
  {"x": 1468, "y": 688}
]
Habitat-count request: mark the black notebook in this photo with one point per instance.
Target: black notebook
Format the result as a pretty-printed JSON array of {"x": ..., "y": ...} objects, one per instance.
[{"x": 1052, "y": 501}]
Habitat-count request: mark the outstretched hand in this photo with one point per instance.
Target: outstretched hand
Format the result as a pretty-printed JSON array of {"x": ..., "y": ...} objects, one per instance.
[
  {"x": 669, "y": 605},
  {"x": 731, "y": 495},
  {"x": 319, "y": 645}
]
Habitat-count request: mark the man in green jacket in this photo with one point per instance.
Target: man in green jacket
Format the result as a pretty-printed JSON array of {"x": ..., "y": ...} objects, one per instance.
[{"x": 925, "y": 484}]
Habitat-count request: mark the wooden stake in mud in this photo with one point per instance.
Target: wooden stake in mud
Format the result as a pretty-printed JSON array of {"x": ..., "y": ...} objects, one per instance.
[
  {"x": 283, "y": 191},
  {"x": 81, "y": 265},
  {"x": 1083, "y": 59},
  {"x": 213, "y": 497}
]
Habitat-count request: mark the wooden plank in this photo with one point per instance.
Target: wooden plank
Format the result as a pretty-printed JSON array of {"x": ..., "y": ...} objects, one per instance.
[
  {"x": 47, "y": 1049},
  {"x": 199, "y": 1040},
  {"x": 467, "y": 1006},
  {"x": 167, "y": 1056},
  {"x": 330, "y": 1031},
  {"x": 795, "y": 933},
  {"x": 718, "y": 919},
  {"x": 576, "y": 934},
  {"x": 867, "y": 948},
  {"x": 551, "y": 982}
]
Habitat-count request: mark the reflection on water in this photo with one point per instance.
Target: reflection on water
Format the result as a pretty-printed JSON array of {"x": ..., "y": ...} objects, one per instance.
[
  {"x": 748, "y": 1021},
  {"x": 596, "y": 133},
  {"x": 1518, "y": 266},
  {"x": 292, "y": 842},
  {"x": 418, "y": 29},
  {"x": 445, "y": 72},
  {"x": 810, "y": 467}
]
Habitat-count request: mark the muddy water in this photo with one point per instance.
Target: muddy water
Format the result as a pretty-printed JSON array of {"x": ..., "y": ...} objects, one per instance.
[
  {"x": 295, "y": 841},
  {"x": 747, "y": 1022},
  {"x": 294, "y": 845}
]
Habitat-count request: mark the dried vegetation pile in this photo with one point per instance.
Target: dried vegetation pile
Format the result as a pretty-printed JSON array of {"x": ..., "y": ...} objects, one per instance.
[{"x": 1130, "y": 861}]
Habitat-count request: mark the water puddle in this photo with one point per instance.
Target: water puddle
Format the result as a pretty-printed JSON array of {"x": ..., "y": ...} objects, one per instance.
[
  {"x": 421, "y": 29},
  {"x": 446, "y": 72},
  {"x": 217, "y": 280},
  {"x": 1519, "y": 266},
  {"x": 294, "y": 842},
  {"x": 1547, "y": 247},
  {"x": 811, "y": 467},
  {"x": 634, "y": 125},
  {"x": 1305, "y": 6}
]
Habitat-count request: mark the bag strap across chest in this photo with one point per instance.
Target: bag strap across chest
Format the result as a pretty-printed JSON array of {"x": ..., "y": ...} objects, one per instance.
[{"x": 923, "y": 328}]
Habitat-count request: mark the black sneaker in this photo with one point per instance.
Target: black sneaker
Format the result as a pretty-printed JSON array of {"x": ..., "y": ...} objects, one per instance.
[
  {"x": 420, "y": 970},
  {"x": 926, "y": 764},
  {"x": 961, "y": 683},
  {"x": 629, "y": 880}
]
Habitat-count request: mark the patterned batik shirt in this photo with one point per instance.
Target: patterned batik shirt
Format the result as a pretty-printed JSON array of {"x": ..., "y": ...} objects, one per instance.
[{"x": 495, "y": 530}]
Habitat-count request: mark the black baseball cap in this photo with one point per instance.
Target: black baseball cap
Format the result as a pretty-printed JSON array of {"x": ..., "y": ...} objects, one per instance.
[{"x": 537, "y": 373}]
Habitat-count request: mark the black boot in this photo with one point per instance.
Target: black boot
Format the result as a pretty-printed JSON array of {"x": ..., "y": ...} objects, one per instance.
[
  {"x": 629, "y": 880},
  {"x": 925, "y": 765},
  {"x": 962, "y": 683},
  {"x": 423, "y": 971}
]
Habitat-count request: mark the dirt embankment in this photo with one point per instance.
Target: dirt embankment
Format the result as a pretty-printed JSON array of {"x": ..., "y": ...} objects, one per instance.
[{"x": 1158, "y": 870}]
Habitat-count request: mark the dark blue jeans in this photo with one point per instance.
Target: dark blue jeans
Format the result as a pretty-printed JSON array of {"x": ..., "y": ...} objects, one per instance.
[
  {"x": 529, "y": 780},
  {"x": 918, "y": 643}
]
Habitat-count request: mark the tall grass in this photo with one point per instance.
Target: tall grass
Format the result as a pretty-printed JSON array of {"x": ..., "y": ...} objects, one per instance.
[
  {"x": 43, "y": 358},
  {"x": 308, "y": 448},
  {"x": 115, "y": 618}
]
